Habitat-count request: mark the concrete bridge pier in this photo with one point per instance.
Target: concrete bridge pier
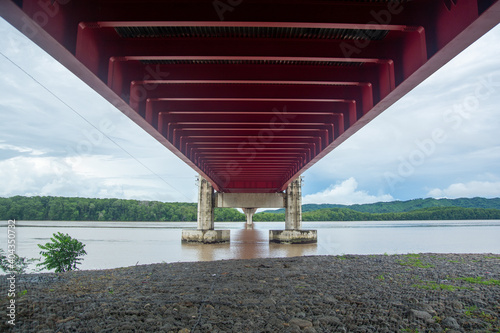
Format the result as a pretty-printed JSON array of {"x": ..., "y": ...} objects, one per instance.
[
  {"x": 291, "y": 201},
  {"x": 206, "y": 205},
  {"x": 293, "y": 232},
  {"x": 249, "y": 214}
]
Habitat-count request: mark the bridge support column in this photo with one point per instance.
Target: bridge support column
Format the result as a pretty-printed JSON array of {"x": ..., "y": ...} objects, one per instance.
[
  {"x": 206, "y": 206},
  {"x": 249, "y": 214},
  {"x": 293, "y": 232}
]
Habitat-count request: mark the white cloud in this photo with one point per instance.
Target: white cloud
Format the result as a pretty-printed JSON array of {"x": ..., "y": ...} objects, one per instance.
[
  {"x": 19, "y": 149},
  {"x": 468, "y": 190},
  {"x": 92, "y": 176},
  {"x": 345, "y": 193}
]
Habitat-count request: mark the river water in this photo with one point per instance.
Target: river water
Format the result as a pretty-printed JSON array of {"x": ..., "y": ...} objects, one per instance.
[{"x": 120, "y": 244}]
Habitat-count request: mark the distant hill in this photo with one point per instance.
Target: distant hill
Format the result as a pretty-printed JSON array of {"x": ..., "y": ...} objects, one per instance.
[
  {"x": 433, "y": 213},
  {"x": 405, "y": 206},
  {"x": 417, "y": 209}
]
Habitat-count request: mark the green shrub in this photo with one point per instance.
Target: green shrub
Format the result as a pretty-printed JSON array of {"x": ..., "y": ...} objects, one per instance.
[
  {"x": 15, "y": 263},
  {"x": 63, "y": 253}
]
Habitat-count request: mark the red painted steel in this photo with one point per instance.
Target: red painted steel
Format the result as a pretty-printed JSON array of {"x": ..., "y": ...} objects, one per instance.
[{"x": 252, "y": 93}]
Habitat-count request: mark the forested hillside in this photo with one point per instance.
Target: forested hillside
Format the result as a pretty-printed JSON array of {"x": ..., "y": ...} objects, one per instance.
[
  {"x": 84, "y": 209},
  {"x": 346, "y": 214},
  {"x": 406, "y": 206}
]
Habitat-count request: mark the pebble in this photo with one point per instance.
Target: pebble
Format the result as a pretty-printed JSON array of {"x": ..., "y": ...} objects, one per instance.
[
  {"x": 301, "y": 323},
  {"x": 427, "y": 308},
  {"x": 423, "y": 315},
  {"x": 451, "y": 323},
  {"x": 457, "y": 305},
  {"x": 330, "y": 320}
]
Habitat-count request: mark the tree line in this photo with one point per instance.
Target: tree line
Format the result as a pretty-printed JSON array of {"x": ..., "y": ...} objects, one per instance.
[
  {"x": 346, "y": 214},
  {"x": 87, "y": 209},
  {"x": 408, "y": 205}
]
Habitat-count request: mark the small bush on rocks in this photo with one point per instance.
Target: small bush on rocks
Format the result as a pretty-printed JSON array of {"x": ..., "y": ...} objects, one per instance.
[{"x": 63, "y": 253}]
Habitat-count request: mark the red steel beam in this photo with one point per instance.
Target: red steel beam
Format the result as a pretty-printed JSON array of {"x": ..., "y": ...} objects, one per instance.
[
  {"x": 142, "y": 90},
  {"x": 205, "y": 84},
  {"x": 377, "y": 72},
  {"x": 443, "y": 20},
  {"x": 96, "y": 45}
]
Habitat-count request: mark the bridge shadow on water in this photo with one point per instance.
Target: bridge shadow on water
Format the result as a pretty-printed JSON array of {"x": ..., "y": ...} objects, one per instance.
[{"x": 246, "y": 243}]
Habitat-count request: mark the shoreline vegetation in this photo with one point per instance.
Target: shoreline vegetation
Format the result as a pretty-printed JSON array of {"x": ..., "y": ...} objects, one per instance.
[{"x": 90, "y": 209}]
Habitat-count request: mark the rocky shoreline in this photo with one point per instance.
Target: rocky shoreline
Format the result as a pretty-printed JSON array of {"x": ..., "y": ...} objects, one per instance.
[{"x": 349, "y": 293}]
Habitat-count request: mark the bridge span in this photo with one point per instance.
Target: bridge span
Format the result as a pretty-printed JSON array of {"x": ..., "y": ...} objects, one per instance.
[{"x": 252, "y": 93}]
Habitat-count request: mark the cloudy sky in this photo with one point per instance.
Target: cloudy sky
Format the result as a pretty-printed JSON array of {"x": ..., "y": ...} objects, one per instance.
[{"x": 60, "y": 138}]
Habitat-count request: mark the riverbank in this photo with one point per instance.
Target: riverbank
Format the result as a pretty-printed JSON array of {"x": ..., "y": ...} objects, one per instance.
[{"x": 376, "y": 293}]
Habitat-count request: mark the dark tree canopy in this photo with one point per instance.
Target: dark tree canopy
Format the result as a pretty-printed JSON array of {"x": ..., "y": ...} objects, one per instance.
[{"x": 85, "y": 209}]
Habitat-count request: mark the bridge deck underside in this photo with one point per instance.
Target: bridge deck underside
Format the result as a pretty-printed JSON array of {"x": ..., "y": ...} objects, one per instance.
[{"x": 252, "y": 93}]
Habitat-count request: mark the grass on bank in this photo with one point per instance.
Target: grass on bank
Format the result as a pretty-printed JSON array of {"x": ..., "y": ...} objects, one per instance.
[
  {"x": 413, "y": 260},
  {"x": 474, "y": 312},
  {"x": 430, "y": 285},
  {"x": 480, "y": 280}
]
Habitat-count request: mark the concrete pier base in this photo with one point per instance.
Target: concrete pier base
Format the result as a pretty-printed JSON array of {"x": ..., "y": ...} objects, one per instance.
[
  {"x": 293, "y": 233},
  {"x": 206, "y": 236},
  {"x": 206, "y": 208},
  {"x": 293, "y": 236}
]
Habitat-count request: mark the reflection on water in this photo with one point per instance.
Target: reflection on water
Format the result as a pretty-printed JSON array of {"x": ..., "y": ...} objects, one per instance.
[
  {"x": 246, "y": 244},
  {"x": 121, "y": 244}
]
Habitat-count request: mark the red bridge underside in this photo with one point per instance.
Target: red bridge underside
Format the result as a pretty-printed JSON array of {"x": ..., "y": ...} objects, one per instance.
[{"x": 251, "y": 93}]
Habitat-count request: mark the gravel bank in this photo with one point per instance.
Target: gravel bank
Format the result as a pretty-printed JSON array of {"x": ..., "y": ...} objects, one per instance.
[{"x": 378, "y": 293}]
